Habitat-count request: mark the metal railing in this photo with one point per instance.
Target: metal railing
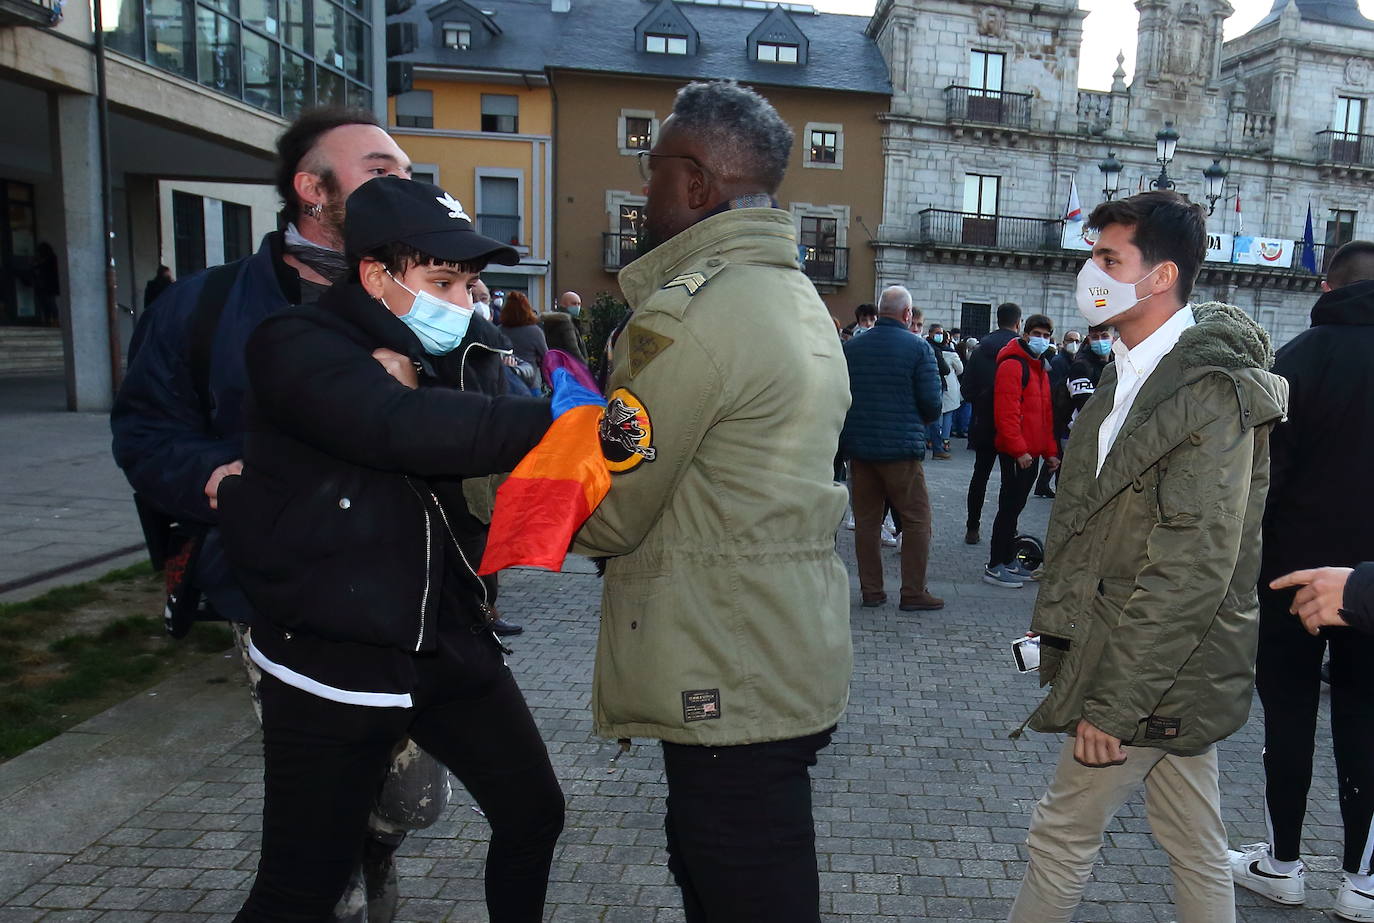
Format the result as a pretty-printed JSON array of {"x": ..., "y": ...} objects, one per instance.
[
  {"x": 825, "y": 264},
  {"x": 30, "y": 12},
  {"x": 505, "y": 228},
  {"x": 1345, "y": 147},
  {"x": 994, "y": 107},
  {"x": 1321, "y": 254},
  {"x": 997, "y": 232},
  {"x": 618, "y": 250}
]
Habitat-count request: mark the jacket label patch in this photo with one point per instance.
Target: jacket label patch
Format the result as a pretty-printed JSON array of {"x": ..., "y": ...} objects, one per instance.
[
  {"x": 692, "y": 281},
  {"x": 700, "y": 704},
  {"x": 645, "y": 345},
  {"x": 626, "y": 432},
  {"x": 1159, "y": 727}
]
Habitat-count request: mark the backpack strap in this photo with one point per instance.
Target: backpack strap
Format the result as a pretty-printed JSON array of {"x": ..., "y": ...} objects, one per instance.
[
  {"x": 1025, "y": 367},
  {"x": 204, "y": 322}
]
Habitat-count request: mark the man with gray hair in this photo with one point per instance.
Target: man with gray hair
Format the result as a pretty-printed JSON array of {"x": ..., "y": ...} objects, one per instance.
[
  {"x": 895, "y": 381},
  {"x": 725, "y": 610}
]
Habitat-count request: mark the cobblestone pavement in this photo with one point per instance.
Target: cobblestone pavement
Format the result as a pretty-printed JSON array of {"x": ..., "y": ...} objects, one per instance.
[{"x": 921, "y": 803}]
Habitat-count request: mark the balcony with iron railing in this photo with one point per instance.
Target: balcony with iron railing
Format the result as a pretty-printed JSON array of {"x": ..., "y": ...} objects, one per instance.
[
  {"x": 996, "y": 232},
  {"x": 988, "y": 107},
  {"x": 825, "y": 265},
  {"x": 30, "y": 12},
  {"x": 1345, "y": 147},
  {"x": 618, "y": 250}
]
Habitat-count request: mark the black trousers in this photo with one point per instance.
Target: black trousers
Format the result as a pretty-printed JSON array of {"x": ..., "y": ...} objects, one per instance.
[
  {"x": 325, "y": 760},
  {"x": 983, "y": 461},
  {"x": 1011, "y": 500},
  {"x": 1288, "y": 677},
  {"x": 741, "y": 839}
]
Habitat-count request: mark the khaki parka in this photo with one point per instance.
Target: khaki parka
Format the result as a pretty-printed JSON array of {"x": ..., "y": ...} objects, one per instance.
[
  {"x": 725, "y": 609},
  {"x": 1148, "y": 610}
]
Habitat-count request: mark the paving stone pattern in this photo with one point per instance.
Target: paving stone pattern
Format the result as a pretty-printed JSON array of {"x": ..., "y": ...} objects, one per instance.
[{"x": 921, "y": 803}]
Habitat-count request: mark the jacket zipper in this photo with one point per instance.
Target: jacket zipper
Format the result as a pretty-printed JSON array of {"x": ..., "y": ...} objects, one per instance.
[
  {"x": 463, "y": 366},
  {"x": 429, "y": 539},
  {"x": 486, "y": 607}
]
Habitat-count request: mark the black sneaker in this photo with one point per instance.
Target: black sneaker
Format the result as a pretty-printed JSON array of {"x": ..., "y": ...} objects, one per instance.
[{"x": 505, "y": 629}]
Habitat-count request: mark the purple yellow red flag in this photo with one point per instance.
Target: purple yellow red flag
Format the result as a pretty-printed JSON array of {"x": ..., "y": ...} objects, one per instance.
[{"x": 558, "y": 483}]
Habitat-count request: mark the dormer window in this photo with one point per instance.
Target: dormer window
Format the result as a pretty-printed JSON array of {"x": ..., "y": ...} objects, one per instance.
[
  {"x": 457, "y": 35},
  {"x": 656, "y": 43},
  {"x": 776, "y": 52}
]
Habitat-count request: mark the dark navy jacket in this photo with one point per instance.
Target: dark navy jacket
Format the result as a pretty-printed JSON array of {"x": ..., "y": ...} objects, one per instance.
[
  {"x": 161, "y": 439},
  {"x": 895, "y": 386}
]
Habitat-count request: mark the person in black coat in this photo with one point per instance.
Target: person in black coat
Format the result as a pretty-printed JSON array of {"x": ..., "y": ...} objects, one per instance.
[
  {"x": 349, "y": 531},
  {"x": 979, "y": 373},
  {"x": 1318, "y": 516}
]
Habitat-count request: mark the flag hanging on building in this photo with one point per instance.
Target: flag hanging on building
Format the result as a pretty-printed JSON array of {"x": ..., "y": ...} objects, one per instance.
[
  {"x": 1074, "y": 211},
  {"x": 1309, "y": 252},
  {"x": 1240, "y": 222}
]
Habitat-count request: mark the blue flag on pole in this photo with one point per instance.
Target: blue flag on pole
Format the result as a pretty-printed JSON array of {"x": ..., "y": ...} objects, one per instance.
[{"x": 1309, "y": 253}]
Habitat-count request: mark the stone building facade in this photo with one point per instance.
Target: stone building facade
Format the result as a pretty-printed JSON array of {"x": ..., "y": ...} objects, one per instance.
[{"x": 988, "y": 127}]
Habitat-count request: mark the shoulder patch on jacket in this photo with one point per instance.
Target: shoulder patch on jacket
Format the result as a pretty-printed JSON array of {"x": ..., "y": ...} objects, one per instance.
[
  {"x": 691, "y": 281},
  {"x": 627, "y": 433},
  {"x": 644, "y": 347}
]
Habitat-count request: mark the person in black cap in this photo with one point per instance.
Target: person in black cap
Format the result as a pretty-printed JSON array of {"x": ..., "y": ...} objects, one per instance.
[{"x": 349, "y": 532}]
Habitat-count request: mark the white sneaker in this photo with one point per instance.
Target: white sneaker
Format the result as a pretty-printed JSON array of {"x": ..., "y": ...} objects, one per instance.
[
  {"x": 1001, "y": 576},
  {"x": 1251, "y": 870},
  {"x": 849, "y": 522},
  {"x": 1354, "y": 904},
  {"x": 1021, "y": 573},
  {"x": 888, "y": 538}
]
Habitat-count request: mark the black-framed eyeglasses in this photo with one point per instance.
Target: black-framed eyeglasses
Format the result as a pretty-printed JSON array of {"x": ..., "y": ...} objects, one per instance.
[{"x": 646, "y": 166}]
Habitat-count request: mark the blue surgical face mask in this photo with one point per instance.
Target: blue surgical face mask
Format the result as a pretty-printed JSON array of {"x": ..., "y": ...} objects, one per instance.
[
  {"x": 1037, "y": 345},
  {"x": 439, "y": 325},
  {"x": 1101, "y": 347},
  {"x": 937, "y": 337}
]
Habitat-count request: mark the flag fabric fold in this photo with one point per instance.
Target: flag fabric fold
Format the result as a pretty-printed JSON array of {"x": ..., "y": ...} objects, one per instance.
[
  {"x": 1074, "y": 210},
  {"x": 1309, "y": 252},
  {"x": 558, "y": 483}
]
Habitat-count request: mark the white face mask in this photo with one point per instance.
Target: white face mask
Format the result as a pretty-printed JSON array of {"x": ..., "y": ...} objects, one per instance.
[
  {"x": 483, "y": 309},
  {"x": 1100, "y": 297},
  {"x": 1071, "y": 346}
]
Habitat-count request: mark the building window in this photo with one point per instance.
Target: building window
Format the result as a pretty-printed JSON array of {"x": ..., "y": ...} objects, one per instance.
[
  {"x": 980, "y": 210},
  {"x": 1349, "y": 117},
  {"x": 281, "y": 56},
  {"x": 822, "y": 259},
  {"x": 1340, "y": 230},
  {"x": 415, "y": 109},
  {"x": 777, "y": 52},
  {"x": 975, "y": 318},
  {"x": 425, "y": 173},
  {"x": 188, "y": 233},
  {"x": 638, "y": 134},
  {"x": 985, "y": 71},
  {"x": 498, "y": 208},
  {"x": 500, "y": 113},
  {"x": 237, "y": 224},
  {"x": 457, "y": 35},
  {"x": 823, "y": 146},
  {"x": 656, "y": 43}
]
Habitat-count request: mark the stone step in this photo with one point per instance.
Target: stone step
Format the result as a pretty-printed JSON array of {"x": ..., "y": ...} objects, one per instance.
[{"x": 30, "y": 350}]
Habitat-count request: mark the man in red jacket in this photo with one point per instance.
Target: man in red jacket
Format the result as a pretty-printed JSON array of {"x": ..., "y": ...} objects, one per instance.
[{"x": 1024, "y": 421}]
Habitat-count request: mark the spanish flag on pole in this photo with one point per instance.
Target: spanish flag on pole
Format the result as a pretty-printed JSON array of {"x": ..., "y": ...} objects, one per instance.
[{"x": 557, "y": 485}]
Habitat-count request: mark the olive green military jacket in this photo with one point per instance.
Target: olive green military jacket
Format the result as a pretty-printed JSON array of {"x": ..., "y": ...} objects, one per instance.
[
  {"x": 1148, "y": 603},
  {"x": 725, "y": 610}
]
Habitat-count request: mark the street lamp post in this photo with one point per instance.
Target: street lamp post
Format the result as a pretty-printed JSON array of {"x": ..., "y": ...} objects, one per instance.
[
  {"x": 1166, "y": 142},
  {"x": 1111, "y": 175},
  {"x": 1215, "y": 179}
]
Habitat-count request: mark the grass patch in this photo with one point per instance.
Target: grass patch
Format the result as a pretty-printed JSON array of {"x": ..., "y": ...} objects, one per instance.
[{"x": 76, "y": 650}]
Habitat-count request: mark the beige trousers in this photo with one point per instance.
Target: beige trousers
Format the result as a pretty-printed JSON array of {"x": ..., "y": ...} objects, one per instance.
[{"x": 1183, "y": 803}]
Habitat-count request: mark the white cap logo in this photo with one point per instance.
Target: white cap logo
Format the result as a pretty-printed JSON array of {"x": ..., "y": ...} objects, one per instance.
[{"x": 455, "y": 208}]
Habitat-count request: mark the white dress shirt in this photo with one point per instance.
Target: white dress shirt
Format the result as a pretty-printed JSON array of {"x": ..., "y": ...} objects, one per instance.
[{"x": 1133, "y": 368}]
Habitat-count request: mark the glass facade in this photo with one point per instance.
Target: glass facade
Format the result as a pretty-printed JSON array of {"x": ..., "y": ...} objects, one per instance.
[{"x": 279, "y": 55}]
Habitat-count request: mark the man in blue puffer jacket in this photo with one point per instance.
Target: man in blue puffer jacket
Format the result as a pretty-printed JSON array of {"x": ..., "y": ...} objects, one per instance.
[{"x": 896, "y": 391}]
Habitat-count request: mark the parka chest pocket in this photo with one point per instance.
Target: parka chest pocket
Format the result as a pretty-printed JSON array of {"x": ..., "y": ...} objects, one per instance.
[{"x": 1176, "y": 496}]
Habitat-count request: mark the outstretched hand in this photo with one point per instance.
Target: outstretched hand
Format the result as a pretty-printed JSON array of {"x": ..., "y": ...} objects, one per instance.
[{"x": 1319, "y": 601}]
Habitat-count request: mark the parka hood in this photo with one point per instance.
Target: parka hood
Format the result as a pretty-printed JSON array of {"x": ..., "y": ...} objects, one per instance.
[
  {"x": 1224, "y": 338},
  {"x": 560, "y": 321},
  {"x": 1351, "y": 304}
]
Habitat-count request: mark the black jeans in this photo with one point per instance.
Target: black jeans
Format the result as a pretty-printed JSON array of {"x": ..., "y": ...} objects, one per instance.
[
  {"x": 1288, "y": 677},
  {"x": 983, "y": 460},
  {"x": 325, "y": 760},
  {"x": 1011, "y": 500},
  {"x": 741, "y": 839}
]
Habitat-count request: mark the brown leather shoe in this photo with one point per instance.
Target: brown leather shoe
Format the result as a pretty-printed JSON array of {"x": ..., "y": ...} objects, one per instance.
[
  {"x": 873, "y": 602},
  {"x": 923, "y": 603}
]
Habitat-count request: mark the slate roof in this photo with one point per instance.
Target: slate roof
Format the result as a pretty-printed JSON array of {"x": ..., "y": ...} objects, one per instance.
[
  {"x": 1333, "y": 12},
  {"x": 599, "y": 36}
]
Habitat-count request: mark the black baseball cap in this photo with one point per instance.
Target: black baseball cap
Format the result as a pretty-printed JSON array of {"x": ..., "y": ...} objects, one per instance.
[{"x": 390, "y": 210}]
